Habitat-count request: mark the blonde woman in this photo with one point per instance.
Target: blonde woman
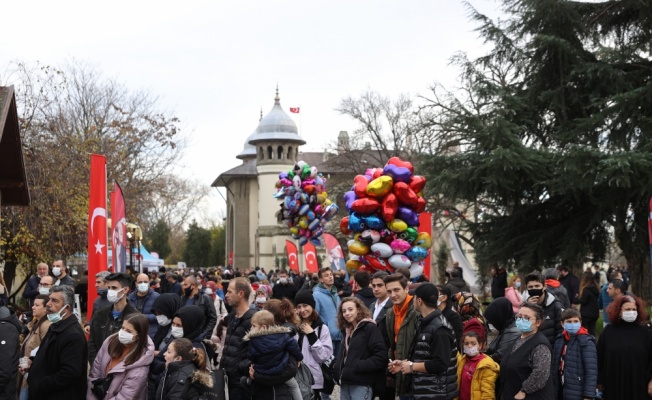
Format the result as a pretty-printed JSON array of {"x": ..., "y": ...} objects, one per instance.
[{"x": 513, "y": 292}]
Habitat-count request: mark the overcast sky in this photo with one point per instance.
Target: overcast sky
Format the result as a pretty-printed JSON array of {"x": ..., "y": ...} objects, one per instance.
[{"x": 215, "y": 64}]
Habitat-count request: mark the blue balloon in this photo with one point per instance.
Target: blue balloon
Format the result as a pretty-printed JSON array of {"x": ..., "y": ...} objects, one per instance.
[
  {"x": 373, "y": 222},
  {"x": 417, "y": 253}
]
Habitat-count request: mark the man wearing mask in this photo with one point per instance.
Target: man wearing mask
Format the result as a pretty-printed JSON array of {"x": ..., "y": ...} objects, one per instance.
[
  {"x": 108, "y": 320},
  {"x": 100, "y": 301},
  {"x": 312, "y": 280},
  {"x": 192, "y": 296},
  {"x": 536, "y": 292},
  {"x": 284, "y": 288},
  {"x": 59, "y": 369},
  {"x": 60, "y": 272},
  {"x": 433, "y": 357},
  {"x": 142, "y": 300},
  {"x": 45, "y": 285},
  {"x": 401, "y": 322},
  {"x": 31, "y": 288}
]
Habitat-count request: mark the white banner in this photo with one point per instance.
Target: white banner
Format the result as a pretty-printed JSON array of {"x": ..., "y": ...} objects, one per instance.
[{"x": 470, "y": 277}]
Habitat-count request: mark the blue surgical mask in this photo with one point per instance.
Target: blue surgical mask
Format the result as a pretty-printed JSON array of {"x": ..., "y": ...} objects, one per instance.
[
  {"x": 523, "y": 325},
  {"x": 56, "y": 317},
  {"x": 517, "y": 284},
  {"x": 572, "y": 327}
]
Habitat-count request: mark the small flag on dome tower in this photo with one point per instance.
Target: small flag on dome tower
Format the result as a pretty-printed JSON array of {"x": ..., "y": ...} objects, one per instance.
[{"x": 294, "y": 110}]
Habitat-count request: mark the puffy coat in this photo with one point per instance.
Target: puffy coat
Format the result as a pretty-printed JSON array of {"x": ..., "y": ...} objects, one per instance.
[
  {"x": 399, "y": 349},
  {"x": 9, "y": 353},
  {"x": 316, "y": 348},
  {"x": 363, "y": 360},
  {"x": 129, "y": 381},
  {"x": 104, "y": 325},
  {"x": 145, "y": 308},
  {"x": 326, "y": 303},
  {"x": 59, "y": 368},
  {"x": 183, "y": 381},
  {"x": 235, "y": 357},
  {"x": 551, "y": 324},
  {"x": 273, "y": 387},
  {"x": 434, "y": 343},
  {"x": 483, "y": 383},
  {"x": 580, "y": 366},
  {"x": 270, "y": 348}
]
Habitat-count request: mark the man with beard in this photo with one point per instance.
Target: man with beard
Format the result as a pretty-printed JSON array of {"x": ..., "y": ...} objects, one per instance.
[{"x": 192, "y": 296}]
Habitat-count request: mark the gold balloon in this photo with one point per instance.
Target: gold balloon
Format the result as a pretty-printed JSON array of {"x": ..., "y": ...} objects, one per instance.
[
  {"x": 397, "y": 225},
  {"x": 380, "y": 186},
  {"x": 423, "y": 240},
  {"x": 353, "y": 265}
]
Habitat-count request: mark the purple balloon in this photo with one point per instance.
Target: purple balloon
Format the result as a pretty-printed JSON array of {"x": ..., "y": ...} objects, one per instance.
[
  {"x": 406, "y": 214},
  {"x": 349, "y": 198},
  {"x": 283, "y": 175},
  {"x": 398, "y": 174}
]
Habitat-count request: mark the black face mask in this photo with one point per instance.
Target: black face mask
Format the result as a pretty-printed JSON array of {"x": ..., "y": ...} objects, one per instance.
[
  {"x": 535, "y": 292},
  {"x": 315, "y": 279},
  {"x": 188, "y": 291}
]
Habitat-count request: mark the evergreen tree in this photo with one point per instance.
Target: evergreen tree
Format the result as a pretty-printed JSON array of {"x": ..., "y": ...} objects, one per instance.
[
  {"x": 158, "y": 239},
  {"x": 553, "y": 141},
  {"x": 198, "y": 244}
]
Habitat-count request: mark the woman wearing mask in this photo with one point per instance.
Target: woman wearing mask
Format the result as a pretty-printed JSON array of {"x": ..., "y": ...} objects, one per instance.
[
  {"x": 314, "y": 339},
  {"x": 625, "y": 351},
  {"x": 123, "y": 359},
  {"x": 262, "y": 297},
  {"x": 164, "y": 307},
  {"x": 513, "y": 292},
  {"x": 525, "y": 368},
  {"x": 38, "y": 327},
  {"x": 363, "y": 361},
  {"x": 500, "y": 317},
  {"x": 186, "y": 323}
]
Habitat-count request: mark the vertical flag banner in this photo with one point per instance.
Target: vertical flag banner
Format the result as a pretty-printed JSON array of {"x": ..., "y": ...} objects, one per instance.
[
  {"x": 649, "y": 231},
  {"x": 291, "y": 253},
  {"x": 457, "y": 254},
  {"x": 310, "y": 255},
  {"x": 97, "y": 235},
  {"x": 335, "y": 253},
  {"x": 425, "y": 225},
  {"x": 119, "y": 235}
]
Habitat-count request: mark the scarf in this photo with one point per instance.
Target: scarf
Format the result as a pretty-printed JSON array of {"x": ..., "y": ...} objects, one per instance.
[
  {"x": 562, "y": 360},
  {"x": 553, "y": 283},
  {"x": 400, "y": 312}
]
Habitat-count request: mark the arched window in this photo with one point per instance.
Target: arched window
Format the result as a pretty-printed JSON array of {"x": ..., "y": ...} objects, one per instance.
[
  {"x": 261, "y": 154},
  {"x": 290, "y": 155},
  {"x": 279, "y": 150},
  {"x": 270, "y": 153}
]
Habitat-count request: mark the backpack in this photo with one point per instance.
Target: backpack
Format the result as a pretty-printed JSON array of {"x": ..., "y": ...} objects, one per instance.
[{"x": 327, "y": 367}]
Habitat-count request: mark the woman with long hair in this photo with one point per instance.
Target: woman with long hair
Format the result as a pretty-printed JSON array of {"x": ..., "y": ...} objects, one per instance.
[
  {"x": 123, "y": 360},
  {"x": 513, "y": 292},
  {"x": 363, "y": 361},
  {"x": 589, "y": 294},
  {"x": 314, "y": 339},
  {"x": 186, "y": 376},
  {"x": 38, "y": 327},
  {"x": 625, "y": 351},
  {"x": 284, "y": 313}
]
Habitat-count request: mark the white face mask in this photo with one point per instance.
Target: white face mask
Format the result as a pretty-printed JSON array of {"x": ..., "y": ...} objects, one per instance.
[
  {"x": 471, "y": 351},
  {"x": 492, "y": 328},
  {"x": 177, "y": 331},
  {"x": 208, "y": 291},
  {"x": 261, "y": 299},
  {"x": 163, "y": 320},
  {"x": 112, "y": 295},
  {"x": 283, "y": 281},
  {"x": 44, "y": 290},
  {"x": 125, "y": 337},
  {"x": 143, "y": 287},
  {"x": 630, "y": 316},
  {"x": 56, "y": 271}
]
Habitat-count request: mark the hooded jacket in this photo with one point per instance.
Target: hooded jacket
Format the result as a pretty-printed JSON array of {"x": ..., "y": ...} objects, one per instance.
[
  {"x": 499, "y": 314},
  {"x": 59, "y": 370},
  {"x": 129, "y": 381},
  {"x": 183, "y": 381},
  {"x": 9, "y": 353},
  {"x": 270, "y": 349},
  {"x": 556, "y": 289},
  {"x": 167, "y": 304},
  {"x": 326, "y": 304},
  {"x": 580, "y": 365},
  {"x": 483, "y": 383}
]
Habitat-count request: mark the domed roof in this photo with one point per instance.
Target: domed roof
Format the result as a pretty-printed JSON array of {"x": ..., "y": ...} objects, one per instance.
[
  {"x": 276, "y": 125},
  {"x": 249, "y": 150}
]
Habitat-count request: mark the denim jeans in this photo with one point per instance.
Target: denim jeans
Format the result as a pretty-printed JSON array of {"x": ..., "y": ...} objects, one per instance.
[
  {"x": 24, "y": 393},
  {"x": 356, "y": 392}
]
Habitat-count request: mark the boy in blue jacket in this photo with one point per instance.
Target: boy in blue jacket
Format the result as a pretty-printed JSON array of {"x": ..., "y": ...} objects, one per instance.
[{"x": 574, "y": 360}]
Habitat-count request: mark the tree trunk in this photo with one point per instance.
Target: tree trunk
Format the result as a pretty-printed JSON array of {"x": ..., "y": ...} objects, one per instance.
[{"x": 10, "y": 274}]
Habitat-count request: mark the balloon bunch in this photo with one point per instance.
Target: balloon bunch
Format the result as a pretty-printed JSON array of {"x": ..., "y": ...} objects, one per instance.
[
  {"x": 384, "y": 206},
  {"x": 306, "y": 207}
]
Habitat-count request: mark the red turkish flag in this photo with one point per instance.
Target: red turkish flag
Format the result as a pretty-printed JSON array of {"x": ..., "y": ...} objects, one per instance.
[
  {"x": 425, "y": 225},
  {"x": 294, "y": 110},
  {"x": 291, "y": 252},
  {"x": 97, "y": 235},
  {"x": 310, "y": 255}
]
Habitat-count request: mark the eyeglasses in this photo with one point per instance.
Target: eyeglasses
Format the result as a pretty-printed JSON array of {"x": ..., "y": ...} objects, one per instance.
[{"x": 44, "y": 285}]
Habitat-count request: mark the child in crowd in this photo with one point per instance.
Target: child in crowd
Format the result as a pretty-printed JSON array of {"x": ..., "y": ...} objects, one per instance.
[
  {"x": 476, "y": 372},
  {"x": 270, "y": 348},
  {"x": 186, "y": 376},
  {"x": 574, "y": 360}
]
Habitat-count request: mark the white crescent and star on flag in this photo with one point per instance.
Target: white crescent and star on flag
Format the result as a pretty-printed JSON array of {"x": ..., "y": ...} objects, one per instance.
[{"x": 97, "y": 212}]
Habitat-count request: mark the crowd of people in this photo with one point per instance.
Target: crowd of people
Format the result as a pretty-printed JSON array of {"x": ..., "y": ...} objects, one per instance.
[{"x": 296, "y": 336}]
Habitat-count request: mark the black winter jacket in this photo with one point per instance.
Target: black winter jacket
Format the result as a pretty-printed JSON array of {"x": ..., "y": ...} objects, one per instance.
[
  {"x": 367, "y": 296},
  {"x": 363, "y": 359},
  {"x": 210, "y": 315},
  {"x": 183, "y": 381},
  {"x": 284, "y": 291},
  {"x": 9, "y": 353},
  {"x": 589, "y": 302},
  {"x": 59, "y": 369},
  {"x": 273, "y": 387},
  {"x": 434, "y": 345},
  {"x": 580, "y": 367},
  {"x": 503, "y": 343},
  {"x": 102, "y": 326},
  {"x": 235, "y": 357}
]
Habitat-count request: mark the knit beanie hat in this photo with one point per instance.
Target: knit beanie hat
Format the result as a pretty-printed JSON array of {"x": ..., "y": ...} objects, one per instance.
[{"x": 304, "y": 297}]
